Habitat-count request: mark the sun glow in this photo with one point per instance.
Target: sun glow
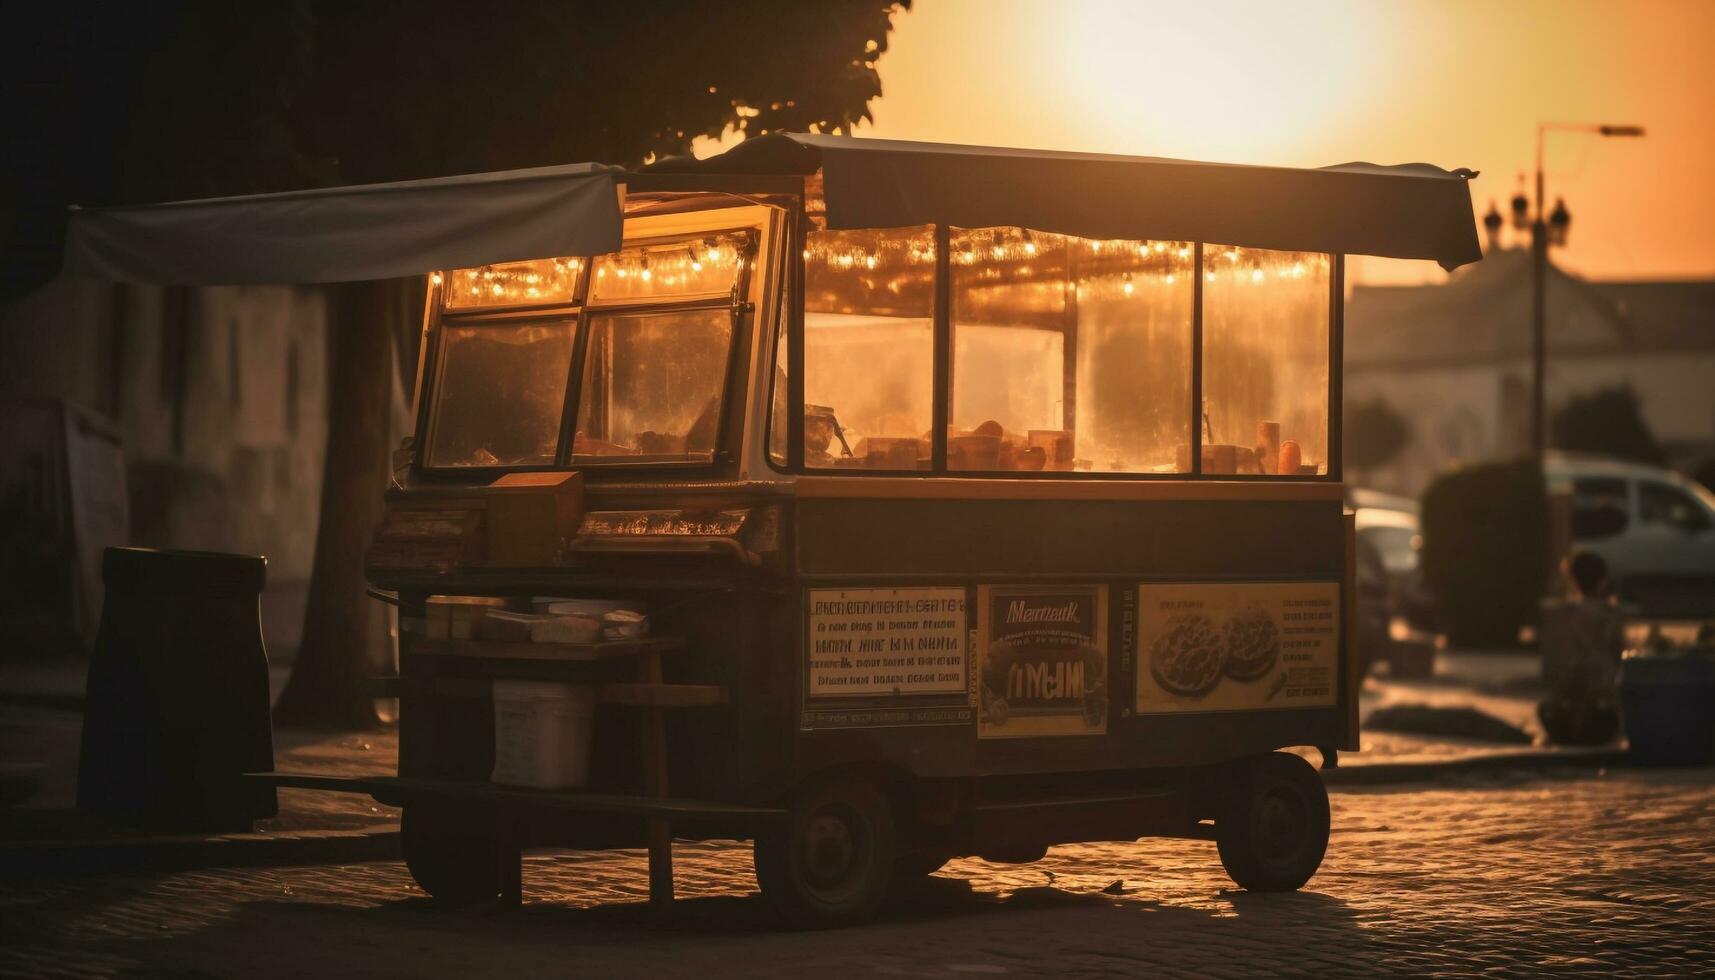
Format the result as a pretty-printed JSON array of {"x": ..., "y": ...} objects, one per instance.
[{"x": 1217, "y": 81}]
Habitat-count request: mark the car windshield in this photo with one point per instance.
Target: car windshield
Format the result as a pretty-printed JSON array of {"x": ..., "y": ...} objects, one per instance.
[{"x": 1397, "y": 547}]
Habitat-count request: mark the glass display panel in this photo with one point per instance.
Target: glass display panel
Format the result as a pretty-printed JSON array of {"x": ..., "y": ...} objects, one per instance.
[
  {"x": 529, "y": 283},
  {"x": 1265, "y": 361},
  {"x": 868, "y": 348},
  {"x": 1070, "y": 353},
  {"x": 777, "y": 423},
  {"x": 671, "y": 270},
  {"x": 652, "y": 386},
  {"x": 502, "y": 393}
]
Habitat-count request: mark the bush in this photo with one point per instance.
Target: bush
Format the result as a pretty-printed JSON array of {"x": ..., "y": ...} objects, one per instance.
[
  {"x": 1608, "y": 422},
  {"x": 1485, "y": 542}
]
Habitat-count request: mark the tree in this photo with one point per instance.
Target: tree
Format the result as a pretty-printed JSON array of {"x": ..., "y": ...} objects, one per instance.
[
  {"x": 1607, "y": 421},
  {"x": 199, "y": 97},
  {"x": 1373, "y": 434}
]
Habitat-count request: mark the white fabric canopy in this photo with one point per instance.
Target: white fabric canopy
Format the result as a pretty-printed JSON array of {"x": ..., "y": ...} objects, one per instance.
[{"x": 341, "y": 234}]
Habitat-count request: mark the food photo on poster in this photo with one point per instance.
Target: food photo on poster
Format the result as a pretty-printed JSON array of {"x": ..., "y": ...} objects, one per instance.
[
  {"x": 1237, "y": 646},
  {"x": 1044, "y": 660}
]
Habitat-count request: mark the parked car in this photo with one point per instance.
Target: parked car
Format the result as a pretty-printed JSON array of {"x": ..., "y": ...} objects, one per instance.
[
  {"x": 1395, "y": 535},
  {"x": 1653, "y": 526},
  {"x": 1394, "y": 607}
]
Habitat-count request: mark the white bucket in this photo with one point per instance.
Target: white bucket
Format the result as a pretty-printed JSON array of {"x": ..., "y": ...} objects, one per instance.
[{"x": 542, "y": 734}]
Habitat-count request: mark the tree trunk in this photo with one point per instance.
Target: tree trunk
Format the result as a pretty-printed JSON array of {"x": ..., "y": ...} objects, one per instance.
[{"x": 345, "y": 632}]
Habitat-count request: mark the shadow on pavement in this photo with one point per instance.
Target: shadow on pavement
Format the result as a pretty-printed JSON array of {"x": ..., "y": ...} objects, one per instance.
[{"x": 941, "y": 926}]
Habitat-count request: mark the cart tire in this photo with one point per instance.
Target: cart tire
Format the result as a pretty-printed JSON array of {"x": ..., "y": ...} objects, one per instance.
[
  {"x": 456, "y": 854},
  {"x": 1272, "y": 827},
  {"x": 833, "y": 861}
]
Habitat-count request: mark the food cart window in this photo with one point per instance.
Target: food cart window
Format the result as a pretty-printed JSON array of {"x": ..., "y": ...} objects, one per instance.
[
  {"x": 501, "y": 394},
  {"x": 1265, "y": 361},
  {"x": 535, "y": 282},
  {"x": 652, "y": 386},
  {"x": 868, "y": 348},
  {"x": 777, "y": 421},
  {"x": 663, "y": 271},
  {"x": 1069, "y": 353}
]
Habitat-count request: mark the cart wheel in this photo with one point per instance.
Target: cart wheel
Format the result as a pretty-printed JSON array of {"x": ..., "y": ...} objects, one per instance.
[
  {"x": 1272, "y": 829},
  {"x": 456, "y": 854},
  {"x": 833, "y": 861}
]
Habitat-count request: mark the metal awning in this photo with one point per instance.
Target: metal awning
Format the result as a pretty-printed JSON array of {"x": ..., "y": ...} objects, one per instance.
[
  {"x": 340, "y": 234},
  {"x": 1413, "y": 211},
  {"x": 377, "y": 231}
]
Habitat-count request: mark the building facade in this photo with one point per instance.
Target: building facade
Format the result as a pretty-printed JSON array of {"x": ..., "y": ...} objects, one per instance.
[{"x": 1454, "y": 360}]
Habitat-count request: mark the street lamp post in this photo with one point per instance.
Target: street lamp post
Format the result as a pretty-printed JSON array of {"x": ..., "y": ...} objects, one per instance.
[{"x": 1542, "y": 230}]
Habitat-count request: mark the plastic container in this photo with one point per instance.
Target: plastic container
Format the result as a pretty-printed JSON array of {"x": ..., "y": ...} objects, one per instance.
[
  {"x": 1669, "y": 704},
  {"x": 457, "y": 617},
  {"x": 586, "y": 607},
  {"x": 542, "y": 734}
]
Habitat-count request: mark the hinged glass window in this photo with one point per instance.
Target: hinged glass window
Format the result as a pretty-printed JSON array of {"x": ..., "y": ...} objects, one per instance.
[
  {"x": 501, "y": 393},
  {"x": 535, "y": 282},
  {"x": 653, "y": 385},
  {"x": 665, "y": 271}
]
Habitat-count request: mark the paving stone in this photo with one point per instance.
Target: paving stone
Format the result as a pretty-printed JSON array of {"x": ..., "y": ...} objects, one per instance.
[{"x": 1556, "y": 875}]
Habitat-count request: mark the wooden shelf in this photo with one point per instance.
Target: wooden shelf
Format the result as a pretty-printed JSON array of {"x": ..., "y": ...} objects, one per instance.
[
  {"x": 558, "y": 652},
  {"x": 662, "y": 695},
  {"x": 398, "y": 791}
]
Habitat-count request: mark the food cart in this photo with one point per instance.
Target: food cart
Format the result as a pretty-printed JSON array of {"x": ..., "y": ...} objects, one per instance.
[{"x": 977, "y": 500}]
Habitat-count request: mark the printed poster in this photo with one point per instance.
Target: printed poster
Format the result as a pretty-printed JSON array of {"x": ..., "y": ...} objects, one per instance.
[
  {"x": 1238, "y": 646},
  {"x": 1044, "y": 660},
  {"x": 886, "y": 642}
]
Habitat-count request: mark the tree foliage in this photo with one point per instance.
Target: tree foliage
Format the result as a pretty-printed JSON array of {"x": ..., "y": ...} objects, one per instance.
[
  {"x": 129, "y": 103},
  {"x": 1607, "y": 421},
  {"x": 124, "y": 103},
  {"x": 1485, "y": 547},
  {"x": 1373, "y": 434}
]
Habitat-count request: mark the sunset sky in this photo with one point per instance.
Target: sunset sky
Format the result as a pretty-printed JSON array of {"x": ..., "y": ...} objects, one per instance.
[{"x": 1457, "y": 83}]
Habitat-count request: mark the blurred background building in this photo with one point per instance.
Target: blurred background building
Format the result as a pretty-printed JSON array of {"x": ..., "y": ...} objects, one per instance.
[
  {"x": 1448, "y": 365},
  {"x": 208, "y": 408}
]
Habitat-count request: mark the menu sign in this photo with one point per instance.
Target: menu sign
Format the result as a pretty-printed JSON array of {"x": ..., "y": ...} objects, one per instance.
[
  {"x": 1237, "y": 647},
  {"x": 867, "y": 642},
  {"x": 1044, "y": 661}
]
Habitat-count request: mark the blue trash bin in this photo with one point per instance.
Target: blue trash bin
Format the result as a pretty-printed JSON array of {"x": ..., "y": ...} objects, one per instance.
[{"x": 1668, "y": 698}]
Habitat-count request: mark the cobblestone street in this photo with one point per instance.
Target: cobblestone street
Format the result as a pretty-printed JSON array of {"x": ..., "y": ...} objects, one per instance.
[{"x": 1507, "y": 874}]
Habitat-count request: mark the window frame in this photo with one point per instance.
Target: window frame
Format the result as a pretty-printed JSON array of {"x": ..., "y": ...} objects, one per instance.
[
  {"x": 579, "y": 311},
  {"x": 941, "y": 379},
  {"x": 569, "y": 419}
]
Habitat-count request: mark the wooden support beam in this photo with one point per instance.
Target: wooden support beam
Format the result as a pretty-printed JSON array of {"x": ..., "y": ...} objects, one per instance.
[{"x": 660, "y": 830}]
